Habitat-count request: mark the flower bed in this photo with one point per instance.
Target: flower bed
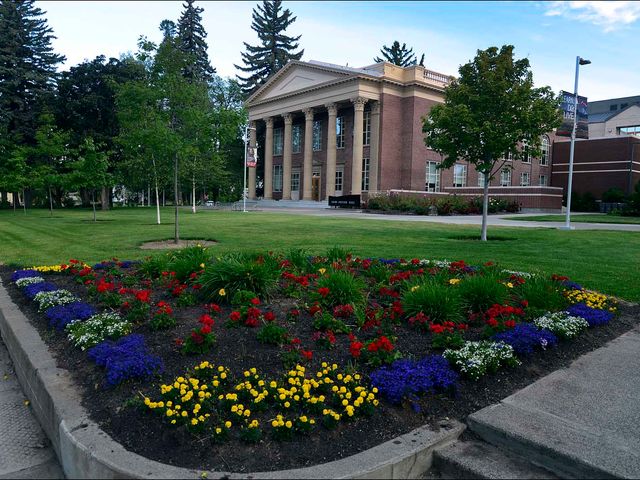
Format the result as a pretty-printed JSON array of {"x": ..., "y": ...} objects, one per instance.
[{"x": 185, "y": 354}]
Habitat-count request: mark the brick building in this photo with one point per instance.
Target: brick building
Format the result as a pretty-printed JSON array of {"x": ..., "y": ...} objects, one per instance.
[{"x": 333, "y": 130}]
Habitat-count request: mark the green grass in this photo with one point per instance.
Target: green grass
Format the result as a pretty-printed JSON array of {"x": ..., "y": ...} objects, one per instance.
[
  {"x": 595, "y": 218},
  {"x": 603, "y": 260}
]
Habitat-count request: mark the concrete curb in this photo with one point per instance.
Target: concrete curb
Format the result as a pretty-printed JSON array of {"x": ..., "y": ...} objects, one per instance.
[{"x": 86, "y": 451}]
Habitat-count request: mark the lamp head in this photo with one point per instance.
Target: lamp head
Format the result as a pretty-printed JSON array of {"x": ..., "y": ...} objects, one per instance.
[{"x": 584, "y": 61}]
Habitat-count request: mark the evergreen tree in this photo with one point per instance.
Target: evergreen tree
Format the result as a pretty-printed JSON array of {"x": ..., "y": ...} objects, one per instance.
[
  {"x": 191, "y": 35},
  {"x": 276, "y": 48},
  {"x": 27, "y": 67},
  {"x": 399, "y": 55},
  {"x": 168, "y": 28}
]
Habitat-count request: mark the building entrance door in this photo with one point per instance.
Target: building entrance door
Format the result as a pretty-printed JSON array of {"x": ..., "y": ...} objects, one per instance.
[
  {"x": 315, "y": 187},
  {"x": 295, "y": 185}
]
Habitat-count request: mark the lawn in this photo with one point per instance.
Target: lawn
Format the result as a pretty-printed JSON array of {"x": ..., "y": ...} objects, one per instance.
[
  {"x": 595, "y": 218},
  {"x": 602, "y": 260}
]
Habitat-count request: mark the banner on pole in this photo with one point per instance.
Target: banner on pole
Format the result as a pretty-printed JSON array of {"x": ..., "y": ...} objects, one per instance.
[
  {"x": 567, "y": 107},
  {"x": 251, "y": 157}
]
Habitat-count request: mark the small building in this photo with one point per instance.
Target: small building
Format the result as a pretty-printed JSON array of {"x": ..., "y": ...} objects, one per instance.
[{"x": 332, "y": 130}]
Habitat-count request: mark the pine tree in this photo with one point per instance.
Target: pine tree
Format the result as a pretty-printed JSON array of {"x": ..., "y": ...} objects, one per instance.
[
  {"x": 191, "y": 40},
  {"x": 27, "y": 67},
  {"x": 399, "y": 55},
  {"x": 276, "y": 49}
]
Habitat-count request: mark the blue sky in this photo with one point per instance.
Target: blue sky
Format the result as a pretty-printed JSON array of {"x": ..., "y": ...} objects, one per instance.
[{"x": 550, "y": 34}]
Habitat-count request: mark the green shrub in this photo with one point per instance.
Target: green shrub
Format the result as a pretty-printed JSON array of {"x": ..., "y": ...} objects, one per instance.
[
  {"x": 613, "y": 195},
  {"x": 542, "y": 294},
  {"x": 299, "y": 258},
  {"x": 479, "y": 292},
  {"x": 152, "y": 267},
  {"x": 343, "y": 288},
  {"x": 240, "y": 271},
  {"x": 337, "y": 253},
  {"x": 273, "y": 334},
  {"x": 439, "y": 302},
  {"x": 187, "y": 261}
]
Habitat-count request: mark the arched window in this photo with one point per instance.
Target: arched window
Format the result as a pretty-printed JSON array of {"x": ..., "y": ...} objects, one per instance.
[{"x": 546, "y": 150}]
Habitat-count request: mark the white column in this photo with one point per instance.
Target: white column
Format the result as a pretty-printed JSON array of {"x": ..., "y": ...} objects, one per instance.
[
  {"x": 330, "y": 181},
  {"x": 252, "y": 170},
  {"x": 374, "y": 146},
  {"x": 307, "y": 170},
  {"x": 286, "y": 158},
  {"x": 268, "y": 159},
  {"x": 356, "y": 159}
]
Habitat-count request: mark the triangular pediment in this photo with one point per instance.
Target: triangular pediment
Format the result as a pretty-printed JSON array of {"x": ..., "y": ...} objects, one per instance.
[{"x": 296, "y": 77}]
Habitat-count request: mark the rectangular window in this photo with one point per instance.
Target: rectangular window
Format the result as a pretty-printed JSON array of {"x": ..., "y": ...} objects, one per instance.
[
  {"x": 340, "y": 132},
  {"x": 277, "y": 178},
  {"x": 459, "y": 175},
  {"x": 481, "y": 179},
  {"x": 546, "y": 151},
  {"x": 542, "y": 180},
  {"x": 526, "y": 158},
  {"x": 365, "y": 174},
  {"x": 524, "y": 179},
  {"x": 366, "y": 128},
  {"x": 432, "y": 181},
  {"x": 278, "y": 141},
  {"x": 339, "y": 177},
  {"x": 508, "y": 156},
  {"x": 317, "y": 135},
  {"x": 505, "y": 177},
  {"x": 612, "y": 108},
  {"x": 296, "y": 138},
  {"x": 295, "y": 181},
  {"x": 633, "y": 130}
]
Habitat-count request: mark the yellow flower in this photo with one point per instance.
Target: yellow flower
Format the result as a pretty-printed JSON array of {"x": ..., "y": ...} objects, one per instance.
[
  {"x": 202, "y": 265},
  {"x": 222, "y": 292},
  {"x": 454, "y": 281},
  {"x": 288, "y": 424},
  {"x": 227, "y": 424},
  {"x": 274, "y": 423},
  {"x": 322, "y": 270}
]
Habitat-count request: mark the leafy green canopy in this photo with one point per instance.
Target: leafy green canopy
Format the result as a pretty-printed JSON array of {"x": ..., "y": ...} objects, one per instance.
[{"x": 276, "y": 48}]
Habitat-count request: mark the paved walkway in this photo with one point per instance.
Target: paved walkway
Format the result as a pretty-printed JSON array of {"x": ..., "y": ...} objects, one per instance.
[
  {"x": 25, "y": 451},
  {"x": 321, "y": 210}
]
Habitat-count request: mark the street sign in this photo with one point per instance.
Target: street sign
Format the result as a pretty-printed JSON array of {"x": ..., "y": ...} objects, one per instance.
[
  {"x": 567, "y": 106},
  {"x": 251, "y": 157}
]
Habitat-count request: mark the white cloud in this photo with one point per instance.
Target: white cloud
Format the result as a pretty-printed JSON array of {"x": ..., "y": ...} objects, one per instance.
[{"x": 609, "y": 15}]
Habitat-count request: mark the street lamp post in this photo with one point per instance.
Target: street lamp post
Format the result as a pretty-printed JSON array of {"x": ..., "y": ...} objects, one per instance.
[
  {"x": 244, "y": 176},
  {"x": 567, "y": 222}
]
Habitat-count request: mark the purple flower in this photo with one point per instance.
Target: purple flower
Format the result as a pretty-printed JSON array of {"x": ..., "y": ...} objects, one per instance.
[
  {"x": 61, "y": 315},
  {"x": 525, "y": 338},
  {"x": 33, "y": 289},
  {"x": 571, "y": 285},
  {"x": 18, "y": 274},
  {"x": 408, "y": 378},
  {"x": 125, "y": 358},
  {"x": 593, "y": 316}
]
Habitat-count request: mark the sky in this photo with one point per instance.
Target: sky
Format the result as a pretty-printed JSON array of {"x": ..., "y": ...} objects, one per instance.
[{"x": 550, "y": 34}]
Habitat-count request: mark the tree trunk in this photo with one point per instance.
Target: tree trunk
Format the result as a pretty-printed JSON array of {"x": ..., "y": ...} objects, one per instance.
[
  {"x": 193, "y": 194},
  {"x": 164, "y": 201},
  {"x": 175, "y": 198},
  {"x": 105, "y": 193},
  {"x": 93, "y": 202},
  {"x": 15, "y": 201},
  {"x": 24, "y": 202},
  {"x": 155, "y": 180},
  {"x": 50, "y": 203},
  {"x": 485, "y": 207}
]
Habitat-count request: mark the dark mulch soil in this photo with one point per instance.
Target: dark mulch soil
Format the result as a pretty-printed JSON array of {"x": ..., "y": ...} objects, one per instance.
[{"x": 142, "y": 432}]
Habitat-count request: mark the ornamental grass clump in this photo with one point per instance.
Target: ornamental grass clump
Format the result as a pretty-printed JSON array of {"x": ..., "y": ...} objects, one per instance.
[
  {"x": 240, "y": 271},
  {"x": 541, "y": 294},
  {"x": 339, "y": 288},
  {"x": 438, "y": 302},
  {"x": 125, "y": 359},
  {"x": 50, "y": 299},
  {"x": 61, "y": 315},
  {"x": 97, "y": 328},
  {"x": 476, "y": 359},
  {"x": 525, "y": 338},
  {"x": 480, "y": 292},
  {"x": 562, "y": 324},
  {"x": 188, "y": 260},
  {"x": 23, "y": 282},
  {"x": 406, "y": 379}
]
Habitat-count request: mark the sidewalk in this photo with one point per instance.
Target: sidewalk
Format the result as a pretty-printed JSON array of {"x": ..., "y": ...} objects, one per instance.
[{"x": 25, "y": 451}]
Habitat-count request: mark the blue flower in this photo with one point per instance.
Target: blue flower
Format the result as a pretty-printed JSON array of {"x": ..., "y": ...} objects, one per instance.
[
  {"x": 593, "y": 316},
  {"x": 408, "y": 378},
  {"x": 32, "y": 290},
  {"x": 61, "y": 315},
  {"x": 525, "y": 337},
  {"x": 571, "y": 285},
  {"x": 18, "y": 274},
  {"x": 125, "y": 358}
]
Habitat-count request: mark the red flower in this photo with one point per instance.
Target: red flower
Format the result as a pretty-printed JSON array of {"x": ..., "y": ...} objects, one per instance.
[
  {"x": 295, "y": 341},
  {"x": 524, "y": 303},
  {"x": 510, "y": 323},
  {"x": 213, "y": 307},
  {"x": 206, "y": 320},
  {"x": 436, "y": 329},
  {"x": 492, "y": 322},
  {"x": 143, "y": 295},
  {"x": 205, "y": 330},
  {"x": 315, "y": 308},
  {"x": 355, "y": 349},
  {"x": 179, "y": 342},
  {"x": 255, "y": 301},
  {"x": 462, "y": 326},
  {"x": 253, "y": 312},
  {"x": 323, "y": 291},
  {"x": 251, "y": 322},
  {"x": 269, "y": 317},
  {"x": 87, "y": 282},
  {"x": 196, "y": 337},
  {"x": 73, "y": 260},
  {"x": 234, "y": 316},
  {"x": 307, "y": 354}
]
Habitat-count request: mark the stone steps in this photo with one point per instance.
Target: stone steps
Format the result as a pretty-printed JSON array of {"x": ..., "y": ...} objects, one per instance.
[{"x": 474, "y": 458}]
